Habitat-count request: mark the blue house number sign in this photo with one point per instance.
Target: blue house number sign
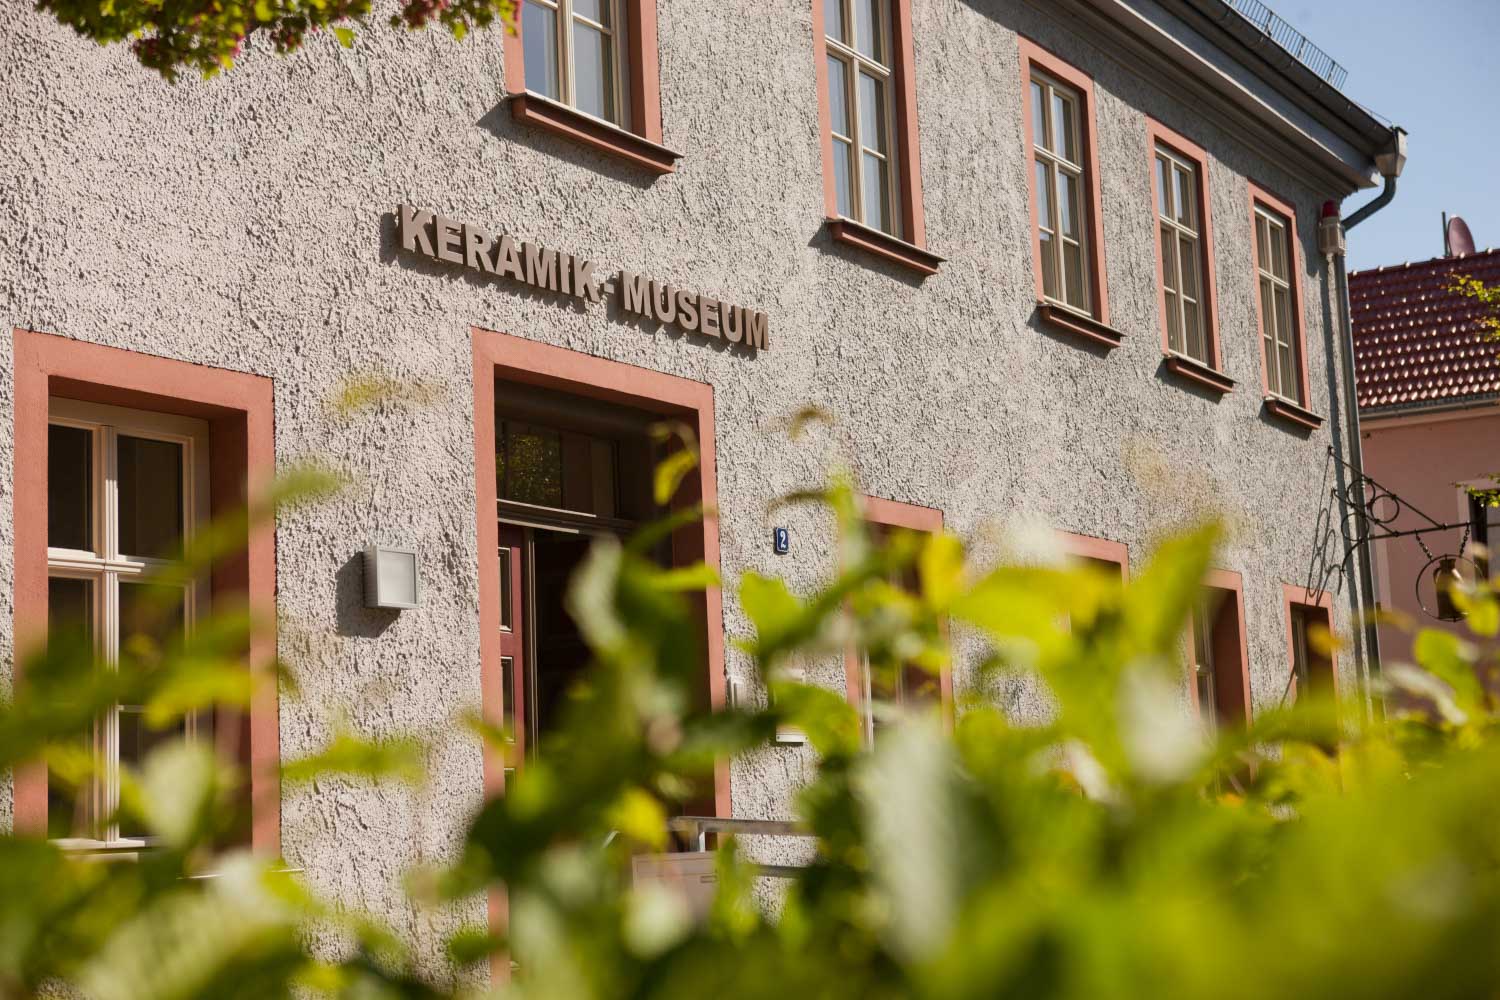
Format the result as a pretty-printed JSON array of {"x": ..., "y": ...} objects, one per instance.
[{"x": 781, "y": 539}]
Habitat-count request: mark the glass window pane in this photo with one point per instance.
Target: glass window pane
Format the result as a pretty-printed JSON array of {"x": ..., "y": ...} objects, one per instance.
[
  {"x": 1174, "y": 321},
  {"x": 838, "y": 96},
  {"x": 1187, "y": 197},
  {"x": 1163, "y": 189},
  {"x": 594, "y": 10},
  {"x": 1041, "y": 132},
  {"x": 70, "y": 487},
  {"x": 1192, "y": 322},
  {"x": 539, "y": 44},
  {"x": 70, "y": 627},
  {"x": 1278, "y": 252},
  {"x": 533, "y": 465},
  {"x": 137, "y": 740},
  {"x": 70, "y": 609},
  {"x": 1044, "y": 196},
  {"x": 1187, "y": 253},
  {"x": 1064, "y": 126},
  {"x": 867, "y": 40},
  {"x": 508, "y": 697},
  {"x": 1067, "y": 204},
  {"x": 1073, "y": 269},
  {"x": 872, "y": 113},
  {"x": 1048, "y": 250},
  {"x": 842, "y": 177},
  {"x": 1262, "y": 250},
  {"x": 833, "y": 19},
  {"x": 876, "y": 189},
  {"x": 151, "y": 616},
  {"x": 506, "y": 617},
  {"x": 1168, "y": 259},
  {"x": 1289, "y": 385},
  {"x": 151, "y": 502},
  {"x": 593, "y": 72}
]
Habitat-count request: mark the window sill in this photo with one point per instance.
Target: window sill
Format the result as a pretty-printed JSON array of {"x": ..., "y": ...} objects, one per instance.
[
  {"x": 533, "y": 109},
  {"x": 1196, "y": 371},
  {"x": 884, "y": 245},
  {"x": 1289, "y": 411},
  {"x": 1078, "y": 324}
]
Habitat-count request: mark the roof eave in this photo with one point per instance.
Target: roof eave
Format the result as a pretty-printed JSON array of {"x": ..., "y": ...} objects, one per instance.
[{"x": 1222, "y": 27}]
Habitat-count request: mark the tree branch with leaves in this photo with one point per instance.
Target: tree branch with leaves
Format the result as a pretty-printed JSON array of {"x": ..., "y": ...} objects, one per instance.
[{"x": 207, "y": 36}]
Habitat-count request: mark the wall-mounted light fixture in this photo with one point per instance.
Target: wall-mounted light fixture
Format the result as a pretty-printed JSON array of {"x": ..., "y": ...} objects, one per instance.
[{"x": 391, "y": 578}]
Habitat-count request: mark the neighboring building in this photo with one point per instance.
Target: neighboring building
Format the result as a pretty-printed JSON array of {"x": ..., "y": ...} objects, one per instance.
[
  {"x": 1429, "y": 403},
  {"x": 1036, "y": 258}
]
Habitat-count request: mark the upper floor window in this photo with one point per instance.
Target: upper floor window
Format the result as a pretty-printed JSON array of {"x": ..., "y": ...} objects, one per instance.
[
  {"x": 1178, "y": 213},
  {"x": 1063, "y": 168},
  {"x": 1277, "y": 323},
  {"x": 861, "y": 106},
  {"x": 1059, "y": 178},
  {"x": 574, "y": 55},
  {"x": 125, "y": 488},
  {"x": 867, "y": 101},
  {"x": 587, "y": 70}
]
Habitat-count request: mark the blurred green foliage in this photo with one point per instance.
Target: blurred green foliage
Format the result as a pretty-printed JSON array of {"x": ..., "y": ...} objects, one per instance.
[
  {"x": 1112, "y": 850},
  {"x": 207, "y": 36}
]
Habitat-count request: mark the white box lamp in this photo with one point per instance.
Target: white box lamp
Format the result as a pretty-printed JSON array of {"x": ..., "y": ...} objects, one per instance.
[{"x": 391, "y": 578}]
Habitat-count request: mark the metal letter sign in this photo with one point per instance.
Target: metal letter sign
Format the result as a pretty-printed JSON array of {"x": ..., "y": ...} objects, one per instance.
[{"x": 781, "y": 538}]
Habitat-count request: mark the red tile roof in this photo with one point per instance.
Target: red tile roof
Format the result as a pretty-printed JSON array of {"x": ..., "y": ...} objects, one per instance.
[{"x": 1417, "y": 344}]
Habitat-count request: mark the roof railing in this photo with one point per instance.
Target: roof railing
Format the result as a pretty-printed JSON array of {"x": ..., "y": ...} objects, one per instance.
[{"x": 1291, "y": 40}]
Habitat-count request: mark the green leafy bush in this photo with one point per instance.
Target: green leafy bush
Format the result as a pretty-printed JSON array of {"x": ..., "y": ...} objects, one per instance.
[{"x": 1113, "y": 850}]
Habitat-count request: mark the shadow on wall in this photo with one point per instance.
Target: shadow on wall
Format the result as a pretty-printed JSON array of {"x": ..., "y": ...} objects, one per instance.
[
  {"x": 499, "y": 123},
  {"x": 351, "y": 616}
]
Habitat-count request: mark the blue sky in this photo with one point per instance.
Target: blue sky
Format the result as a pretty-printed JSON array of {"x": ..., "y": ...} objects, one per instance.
[{"x": 1434, "y": 68}]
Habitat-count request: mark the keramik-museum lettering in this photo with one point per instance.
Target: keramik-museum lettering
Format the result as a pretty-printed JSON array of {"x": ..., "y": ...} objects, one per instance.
[{"x": 443, "y": 239}]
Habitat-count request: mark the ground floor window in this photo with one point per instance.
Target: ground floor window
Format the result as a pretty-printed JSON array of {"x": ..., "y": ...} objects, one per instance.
[
  {"x": 125, "y": 488},
  {"x": 1218, "y": 668}
]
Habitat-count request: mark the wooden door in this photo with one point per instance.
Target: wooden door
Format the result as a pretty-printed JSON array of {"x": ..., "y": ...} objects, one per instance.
[{"x": 513, "y": 548}]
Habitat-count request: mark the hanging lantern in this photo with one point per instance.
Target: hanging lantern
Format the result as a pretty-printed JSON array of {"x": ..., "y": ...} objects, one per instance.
[{"x": 1445, "y": 580}]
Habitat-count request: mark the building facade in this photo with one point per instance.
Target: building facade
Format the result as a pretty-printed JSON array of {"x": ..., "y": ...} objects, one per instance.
[
  {"x": 1047, "y": 265},
  {"x": 1429, "y": 384}
]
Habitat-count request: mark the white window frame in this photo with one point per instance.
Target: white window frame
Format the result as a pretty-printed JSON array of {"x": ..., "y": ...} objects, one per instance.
[
  {"x": 1056, "y": 165},
  {"x": 567, "y": 78},
  {"x": 1268, "y": 224},
  {"x": 856, "y": 62},
  {"x": 1173, "y": 232},
  {"x": 105, "y": 567}
]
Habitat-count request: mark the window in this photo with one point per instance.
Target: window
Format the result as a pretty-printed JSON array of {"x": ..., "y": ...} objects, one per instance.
[
  {"x": 867, "y": 107},
  {"x": 861, "y": 111},
  {"x": 1181, "y": 251},
  {"x": 1484, "y": 524},
  {"x": 1059, "y": 179},
  {"x": 125, "y": 488},
  {"x": 1309, "y": 625},
  {"x": 1062, "y": 163},
  {"x": 587, "y": 70},
  {"x": 1278, "y": 335},
  {"x": 880, "y": 690},
  {"x": 1219, "y": 680},
  {"x": 573, "y": 55}
]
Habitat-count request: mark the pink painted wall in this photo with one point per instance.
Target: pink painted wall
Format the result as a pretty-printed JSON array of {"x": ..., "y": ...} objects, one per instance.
[{"x": 1423, "y": 459}]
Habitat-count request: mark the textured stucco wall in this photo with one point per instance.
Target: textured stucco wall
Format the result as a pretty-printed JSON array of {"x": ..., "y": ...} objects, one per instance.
[{"x": 243, "y": 223}]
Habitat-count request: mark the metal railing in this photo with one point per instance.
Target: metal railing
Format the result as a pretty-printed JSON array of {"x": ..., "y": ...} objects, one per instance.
[
  {"x": 699, "y": 827},
  {"x": 1292, "y": 40}
]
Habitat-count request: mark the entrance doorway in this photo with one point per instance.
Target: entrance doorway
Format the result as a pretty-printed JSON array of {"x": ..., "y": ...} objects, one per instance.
[{"x": 568, "y": 471}]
